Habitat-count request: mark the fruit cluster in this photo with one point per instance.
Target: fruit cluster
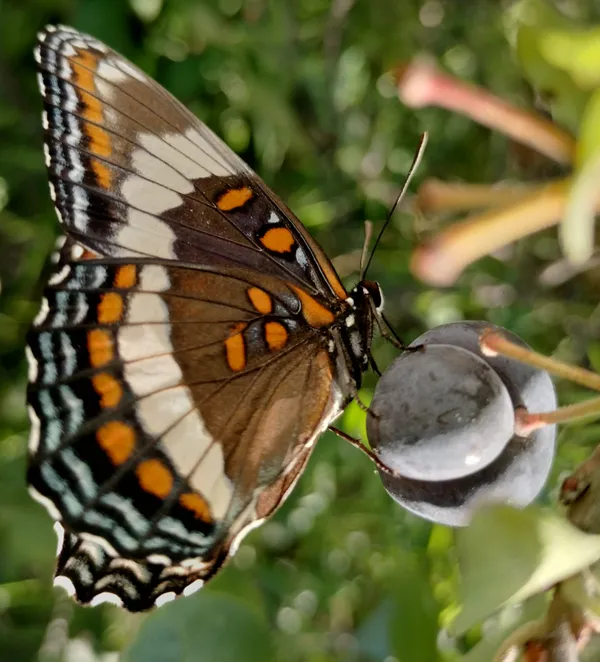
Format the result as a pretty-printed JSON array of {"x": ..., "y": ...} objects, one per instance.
[{"x": 442, "y": 422}]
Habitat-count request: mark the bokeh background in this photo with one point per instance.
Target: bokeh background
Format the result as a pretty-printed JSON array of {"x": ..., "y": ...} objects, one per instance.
[{"x": 299, "y": 89}]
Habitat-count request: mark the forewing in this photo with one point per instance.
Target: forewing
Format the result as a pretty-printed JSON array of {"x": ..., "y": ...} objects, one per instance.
[{"x": 133, "y": 172}]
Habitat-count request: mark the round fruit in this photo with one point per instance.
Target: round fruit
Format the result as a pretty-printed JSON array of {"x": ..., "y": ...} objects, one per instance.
[{"x": 438, "y": 399}]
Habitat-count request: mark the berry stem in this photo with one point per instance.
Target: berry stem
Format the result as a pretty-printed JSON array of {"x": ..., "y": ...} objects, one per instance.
[
  {"x": 526, "y": 423},
  {"x": 492, "y": 343}
]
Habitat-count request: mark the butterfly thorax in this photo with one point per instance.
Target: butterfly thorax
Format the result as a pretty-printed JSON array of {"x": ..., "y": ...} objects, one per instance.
[{"x": 365, "y": 301}]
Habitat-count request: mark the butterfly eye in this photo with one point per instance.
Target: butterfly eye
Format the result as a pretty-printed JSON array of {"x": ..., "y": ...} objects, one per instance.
[
  {"x": 378, "y": 299},
  {"x": 373, "y": 291}
]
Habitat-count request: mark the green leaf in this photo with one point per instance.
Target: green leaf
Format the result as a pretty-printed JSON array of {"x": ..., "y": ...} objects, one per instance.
[
  {"x": 537, "y": 13},
  {"x": 588, "y": 138},
  {"x": 575, "y": 51},
  {"x": 593, "y": 354},
  {"x": 531, "y": 21},
  {"x": 508, "y": 555},
  {"x": 576, "y": 232},
  {"x": 355, "y": 420},
  {"x": 413, "y": 625},
  {"x": 209, "y": 626}
]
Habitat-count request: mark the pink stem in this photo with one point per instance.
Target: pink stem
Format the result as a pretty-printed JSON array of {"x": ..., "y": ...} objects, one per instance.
[{"x": 422, "y": 84}]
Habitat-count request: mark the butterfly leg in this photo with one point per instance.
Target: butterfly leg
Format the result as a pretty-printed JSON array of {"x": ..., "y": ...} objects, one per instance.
[
  {"x": 374, "y": 365},
  {"x": 363, "y": 407},
  {"x": 387, "y": 331},
  {"x": 367, "y": 451}
]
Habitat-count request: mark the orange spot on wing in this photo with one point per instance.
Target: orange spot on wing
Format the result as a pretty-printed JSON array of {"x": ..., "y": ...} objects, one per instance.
[
  {"x": 100, "y": 347},
  {"x": 110, "y": 308},
  {"x": 235, "y": 348},
  {"x": 234, "y": 198},
  {"x": 84, "y": 65},
  {"x": 155, "y": 478},
  {"x": 276, "y": 335},
  {"x": 88, "y": 255},
  {"x": 278, "y": 240},
  {"x": 194, "y": 502},
  {"x": 92, "y": 108},
  {"x": 99, "y": 141},
  {"x": 260, "y": 300},
  {"x": 108, "y": 388},
  {"x": 117, "y": 440},
  {"x": 125, "y": 277},
  {"x": 313, "y": 312},
  {"x": 103, "y": 174}
]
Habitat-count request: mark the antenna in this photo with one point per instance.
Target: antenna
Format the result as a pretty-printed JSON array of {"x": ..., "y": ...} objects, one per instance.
[
  {"x": 411, "y": 171},
  {"x": 367, "y": 241}
]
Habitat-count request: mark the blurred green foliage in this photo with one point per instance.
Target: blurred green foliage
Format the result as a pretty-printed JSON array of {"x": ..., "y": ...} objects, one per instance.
[{"x": 299, "y": 89}]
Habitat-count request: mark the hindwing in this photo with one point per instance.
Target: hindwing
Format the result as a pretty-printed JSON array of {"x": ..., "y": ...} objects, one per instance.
[{"x": 172, "y": 405}]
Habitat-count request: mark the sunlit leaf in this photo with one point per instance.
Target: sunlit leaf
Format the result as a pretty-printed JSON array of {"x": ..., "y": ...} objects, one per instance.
[
  {"x": 576, "y": 231},
  {"x": 577, "y": 227},
  {"x": 507, "y": 555},
  {"x": 529, "y": 21},
  {"x": 588, "y": 138},
  {"x": 594, "y": 355},
  {"x": 575, "y": 51}
]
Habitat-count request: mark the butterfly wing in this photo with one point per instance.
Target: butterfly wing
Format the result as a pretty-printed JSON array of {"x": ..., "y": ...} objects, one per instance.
[
  {"x": 186, "y": 355},
  {"x": 133, "y": 172}
]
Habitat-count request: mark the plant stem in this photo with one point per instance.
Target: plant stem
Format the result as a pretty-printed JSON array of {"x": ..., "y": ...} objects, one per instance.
[
  {"x": 421, "y": 83},
  {"x": 526, "y": 422}
]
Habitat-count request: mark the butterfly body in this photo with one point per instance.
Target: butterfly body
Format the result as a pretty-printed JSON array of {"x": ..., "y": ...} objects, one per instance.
[{"x": 193, "y": 341}]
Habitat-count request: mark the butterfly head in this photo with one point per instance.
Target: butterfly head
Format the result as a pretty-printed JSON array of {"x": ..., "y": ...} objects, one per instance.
[{"x": 371, "y": 293}]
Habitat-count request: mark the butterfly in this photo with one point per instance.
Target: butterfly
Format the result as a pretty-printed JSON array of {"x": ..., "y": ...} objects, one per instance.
[{"x": 192, "y": 344}]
